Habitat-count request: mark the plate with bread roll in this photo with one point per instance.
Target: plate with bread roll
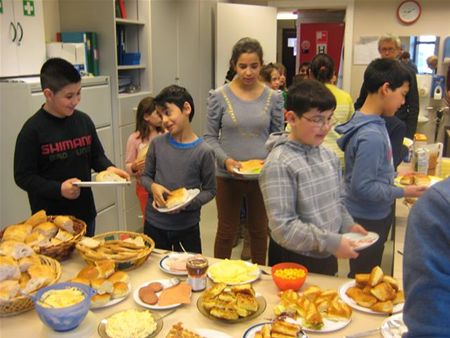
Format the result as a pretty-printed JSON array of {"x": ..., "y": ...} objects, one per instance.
[
  {"x": 177, "y": 199},
  {"x": 374, "y": 293},
  {"x": 416, "y": 179},
  {"x": 250, "y": 168},
  {"x": 163, "y": 294},
  {"x": 103, "y": 178},
  {"x": 111, "y": 286}
]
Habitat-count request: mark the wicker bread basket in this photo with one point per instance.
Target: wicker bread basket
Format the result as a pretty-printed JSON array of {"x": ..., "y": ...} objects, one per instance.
[
  {"x": 25, "y": 303},
  {"x": 62, "y": 250},
  {"x": 91, "y": 256}
]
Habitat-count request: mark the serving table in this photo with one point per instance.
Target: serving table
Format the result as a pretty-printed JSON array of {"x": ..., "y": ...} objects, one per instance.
[{"x": 28, "y": 324}]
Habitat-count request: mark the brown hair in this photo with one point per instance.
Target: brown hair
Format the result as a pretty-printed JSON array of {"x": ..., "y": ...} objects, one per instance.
[
  {"x": 246, "y": 45},
  {"x": 146, "y": 106}
]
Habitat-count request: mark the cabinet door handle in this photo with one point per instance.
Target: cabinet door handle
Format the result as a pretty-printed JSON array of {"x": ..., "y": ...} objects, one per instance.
[
  {"x": 14, "y": 30},
  {"x": 21, "y": 32}
]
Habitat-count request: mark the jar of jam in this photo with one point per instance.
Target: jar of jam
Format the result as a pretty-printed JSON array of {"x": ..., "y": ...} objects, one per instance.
[{"x": 196, "y": 267}]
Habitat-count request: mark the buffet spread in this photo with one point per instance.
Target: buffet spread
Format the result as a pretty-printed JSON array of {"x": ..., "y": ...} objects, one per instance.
[{"x": 118, "y": 285}]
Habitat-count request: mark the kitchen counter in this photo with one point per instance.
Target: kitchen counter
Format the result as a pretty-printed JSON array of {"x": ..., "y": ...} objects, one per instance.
[{"x": 28, "y": 324}]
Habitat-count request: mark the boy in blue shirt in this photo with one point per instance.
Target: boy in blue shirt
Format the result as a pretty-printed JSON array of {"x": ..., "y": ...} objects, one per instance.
[
  {"x": 369, "y": 169},
  {"x": 177, "y": 159}
]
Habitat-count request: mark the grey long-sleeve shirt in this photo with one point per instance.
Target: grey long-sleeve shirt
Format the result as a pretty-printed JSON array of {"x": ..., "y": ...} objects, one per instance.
[
  {"x": 175, "y": 165},
  {"x": 238, "y": 128}
]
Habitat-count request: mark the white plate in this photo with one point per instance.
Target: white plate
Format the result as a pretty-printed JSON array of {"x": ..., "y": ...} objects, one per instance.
[
  {"x": 159, "y": 324},
  {"x": 166, "y": 283},
  {"x": 328, "y": 325},
  {"x": 362, "y": 241},
  {"x": 353, "y": 304},
  {"x": 251, "y": 331},
  {"x": 83, "y": 184},
  {"x": 192, "y": 193},
  {"x": 164, "y": 267},
  {"x": 393, "y": 326},
  {"x": 208, "y": 333},
  {"x": 113, "y": 301},
  {"x": 246, "y": 173},
  {"x": 252, "y": 278}
]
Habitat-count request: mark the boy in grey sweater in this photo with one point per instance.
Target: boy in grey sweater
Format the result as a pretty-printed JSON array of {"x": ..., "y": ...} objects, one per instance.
[
  {"x": 302, "y": 187},
  {"x": 177, "y": 159}
]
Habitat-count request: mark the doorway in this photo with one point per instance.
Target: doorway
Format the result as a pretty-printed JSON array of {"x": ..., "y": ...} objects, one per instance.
[{"x": 289, "y": 53}]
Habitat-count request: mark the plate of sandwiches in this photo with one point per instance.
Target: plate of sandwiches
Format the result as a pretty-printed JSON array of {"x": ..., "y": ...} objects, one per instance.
[
  {"x": 315, "y": 309},
  {"x": 178, "y": 330},
  {"x": 277, "y": 328},
  {"x": 103, "y": 178},
  {"x": 175, "y": 263},
  {"x": 163, "y": 294},
  {"x": 374, "y": 293},
  {"x": 231, "y": 304},
  {"x": 362, "y": 241},
  {"x": 250, "y": 168},
  {"x": 178, "y": 199},
  {"x": 416, "y": 179},
  {"x": 111, "y": 286}
]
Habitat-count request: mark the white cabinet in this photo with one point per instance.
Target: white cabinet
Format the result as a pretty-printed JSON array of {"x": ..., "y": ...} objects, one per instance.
[{"x": 22, "y": 37}]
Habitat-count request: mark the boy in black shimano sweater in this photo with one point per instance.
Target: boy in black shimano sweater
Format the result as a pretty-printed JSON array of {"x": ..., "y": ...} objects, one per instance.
[{"x": 59, "y": 145}]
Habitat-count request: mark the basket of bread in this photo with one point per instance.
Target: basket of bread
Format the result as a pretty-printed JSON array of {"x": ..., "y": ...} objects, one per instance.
[
  {"x": 127, "y": 249},
  {"x": 22, "y": 273},
  {"x": 53, "y": 236}
]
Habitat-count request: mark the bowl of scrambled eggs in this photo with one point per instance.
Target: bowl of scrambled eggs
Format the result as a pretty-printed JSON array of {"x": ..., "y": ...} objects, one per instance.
[{"x": 63, "y": 306}]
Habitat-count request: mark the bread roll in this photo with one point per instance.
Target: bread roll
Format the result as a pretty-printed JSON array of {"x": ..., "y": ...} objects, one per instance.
[
  {"x": 36, "y": 239},
  {"x": 81, "y": 281},
  {"x": 376, "y": 276},
  {"x": 119, "y": 276},
  {"x": 9, "y": 269},
  {"x": 47, "y": 229},
  {"x": 8, "y": 290},
  {"x": 26, "y": 262},
  {"x": 102, "y": 286},
  {"x": 63, "y": 235},
  {"x": 40, "y": 276},
  {"x": 15, "y": 249},
  {"x": 23, "y": 280},
  {"x": 65, "y": 223},
  {"x": 384, "y": 307},
  {"x": 89, "y": 272},
  {"x": 251, "y": 166},
  {"x": 100, "y": 300},
  {"x": 105, "y": 268},
  {"x": 17, "y": 232},
  {"x": 108, "y": 176},
  {"x": 37, "y": 218},
  {"x": 177, "y": 197},
  {"x": 120, "y": 289}
]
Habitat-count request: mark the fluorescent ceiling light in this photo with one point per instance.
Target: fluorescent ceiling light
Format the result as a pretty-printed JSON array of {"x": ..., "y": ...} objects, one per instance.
[{"x": 286, "y": 16}]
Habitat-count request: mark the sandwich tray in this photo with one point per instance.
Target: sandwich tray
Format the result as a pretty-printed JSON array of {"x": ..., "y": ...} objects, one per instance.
[
  {"x": 166, "y": 284},
  {"x": 86, "y": 184},
  {"x": 342, "y": 293},
  {"x": 362, "y": 241},
  {"x": 192, "y": 193}
]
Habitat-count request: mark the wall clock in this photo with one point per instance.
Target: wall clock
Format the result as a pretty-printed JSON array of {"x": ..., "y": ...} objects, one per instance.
[{"x": 409, "y": 12}]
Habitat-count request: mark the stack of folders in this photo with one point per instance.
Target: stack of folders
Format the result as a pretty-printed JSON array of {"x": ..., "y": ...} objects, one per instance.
[
  {"x": 124, "y": 83},
  {"x": 91, "y": 43}
]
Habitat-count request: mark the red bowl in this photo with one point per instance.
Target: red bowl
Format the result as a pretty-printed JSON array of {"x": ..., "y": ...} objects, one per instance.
[{"x": 289, "y": 283}]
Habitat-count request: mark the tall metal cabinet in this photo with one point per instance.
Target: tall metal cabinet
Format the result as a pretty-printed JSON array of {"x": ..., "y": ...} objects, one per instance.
[{"x": 99, "y": 17}]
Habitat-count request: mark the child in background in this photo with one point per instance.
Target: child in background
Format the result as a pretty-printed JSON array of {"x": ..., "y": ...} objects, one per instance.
[
  {"x": 177, "y": 159},
  {"x": 58, "y": 146},
  {"x": 302, "y": 187},
  {"x": 282, "y": 70},
  {"x": 148, "y": 126},
  {"x": 270, "y": 75},
  {"x": 369, "y": 167}
]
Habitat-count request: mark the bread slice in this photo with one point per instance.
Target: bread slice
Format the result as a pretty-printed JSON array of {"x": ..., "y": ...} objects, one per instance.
[
  {"x": 384, "y": 307},
  {"x": 177, "y": 197},
  {"x": 338, "y": 310},
  {"x": 108, "y": 176},
  {"x": 47, "y": 229},
  {"x": 65, "y": 223},
  {"x": 15, "y": 249},
  {"x": 37, "y": 218},
  {"x": 362, "y": 279},
  {"x": 228, "y": 314},
  {"x": 399, "y": 298},
  {"x": 376, "y": 276},
  {"x": 392, "y": 282},
  {"x": 9, "y": 269},
  {"x": 383, "y": 292},
  {"x": 312, "y": 292},
  {"x": 8, "y": 290},
  {"x": 17, "y": 232},
  {"x": 26, "y": 262},
  {"x": 247, "y": 302},
  {"x": 105, "y": 268},
  {"x": 285, "y": 328}
]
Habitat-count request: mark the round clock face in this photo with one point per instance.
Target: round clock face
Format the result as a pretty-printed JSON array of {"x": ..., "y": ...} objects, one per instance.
[{"x": 409, "y": 11}]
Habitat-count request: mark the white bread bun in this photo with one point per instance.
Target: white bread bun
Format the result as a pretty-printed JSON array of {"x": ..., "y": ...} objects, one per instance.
[
  {"x": 23, "y": 280},
  {"x": 63, "y": 235},
  {"x": 65, "y": 223},
  {"x": 8, "y": 290},
  {"x": 108, "y": 176},
  {"x": 177, "y": 197},
  {"x": 47, "y": 229},
  {"x": 105, "y": 268},
  {"x": 119, "y": 276},
  {"x": 102, "y": 286},
  {"x": 89, "y": 272},
  {"x": 36, "y": 239},
  {"x": 26, "y": 262},
  {"x": 15, "y": 249},
  {"x": 90, "y": 242},
  {"x": 37, "y": 218},
  {"x": 17, "y": 232},
  {"x": 120, "y": 289},
  {"x": 100, "y": 300},
  {"x": 9, "y": 269},
  {"x": 81, "y": 281}
]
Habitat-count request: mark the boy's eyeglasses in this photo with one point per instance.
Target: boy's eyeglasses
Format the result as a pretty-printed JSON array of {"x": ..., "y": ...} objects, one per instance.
[{"x": 320, "y": 122}]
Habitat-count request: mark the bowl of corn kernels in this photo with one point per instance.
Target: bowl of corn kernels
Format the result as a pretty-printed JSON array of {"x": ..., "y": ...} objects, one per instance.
[{"x": 289, "y": 275}]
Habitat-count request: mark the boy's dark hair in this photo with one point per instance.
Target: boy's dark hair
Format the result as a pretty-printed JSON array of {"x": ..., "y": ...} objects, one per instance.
[
  {"x": 56, "y": 73},
  {"x": 381, "y": 71},
  {"x": 322, "y": 67},
  {"x": 266, "y": 72},
  {"x": 309, "y": 94},
  {"x": 246, "y": 45},
  {"x": 176, "y": 95}
]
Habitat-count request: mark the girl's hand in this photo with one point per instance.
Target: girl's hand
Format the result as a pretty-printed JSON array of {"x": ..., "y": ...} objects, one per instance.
[
  {"x": 70, "y": 191},
  {"x": 158, "y": 192},
  {"x": 346, "y": 249},
  {"x": 138, "y": 166},
  {"x": 231, "y": 164}
]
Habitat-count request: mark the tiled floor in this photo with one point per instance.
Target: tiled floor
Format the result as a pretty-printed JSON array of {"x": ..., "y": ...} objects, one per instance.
[{"x": 208, "y": 227}]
